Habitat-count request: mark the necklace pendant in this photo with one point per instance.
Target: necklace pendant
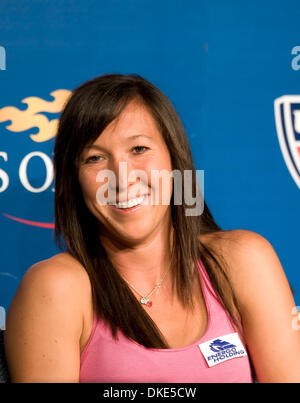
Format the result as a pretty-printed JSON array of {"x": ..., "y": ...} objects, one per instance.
[{"x": 146, "y": 302}]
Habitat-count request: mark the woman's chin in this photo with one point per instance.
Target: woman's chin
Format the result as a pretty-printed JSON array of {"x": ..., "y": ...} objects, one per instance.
[
  {"x": 133, "y": 235},
  {"x": 132, "y": 229}
]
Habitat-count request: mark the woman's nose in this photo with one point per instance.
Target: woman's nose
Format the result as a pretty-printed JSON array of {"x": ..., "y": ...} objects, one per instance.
[
  {"x": 120, "y": 169},
  {"x": 126, "y": 177},
  {"x": 122, "y": 176}
]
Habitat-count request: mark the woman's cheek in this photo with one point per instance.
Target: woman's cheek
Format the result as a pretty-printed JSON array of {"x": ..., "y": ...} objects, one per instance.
[
  {"x": 88, "y": 185},
  {"x": 163, "y": 188}
]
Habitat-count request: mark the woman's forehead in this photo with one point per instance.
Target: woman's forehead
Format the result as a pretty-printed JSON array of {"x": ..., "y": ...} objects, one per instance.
[{"x": 135, "y": 122}]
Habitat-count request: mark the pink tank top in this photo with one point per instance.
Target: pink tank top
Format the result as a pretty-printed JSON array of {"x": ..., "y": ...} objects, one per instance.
[{"x": 218, "y": 360}]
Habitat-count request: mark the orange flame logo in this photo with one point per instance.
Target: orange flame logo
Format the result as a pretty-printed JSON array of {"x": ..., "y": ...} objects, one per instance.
[{"x": 32, "y": 117}]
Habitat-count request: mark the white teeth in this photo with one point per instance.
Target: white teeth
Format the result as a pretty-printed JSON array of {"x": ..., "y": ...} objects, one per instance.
[{"x": 130, "y": 203}]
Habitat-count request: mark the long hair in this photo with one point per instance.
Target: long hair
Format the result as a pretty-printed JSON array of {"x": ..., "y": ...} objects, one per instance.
[{"x": 91, "y": 107}]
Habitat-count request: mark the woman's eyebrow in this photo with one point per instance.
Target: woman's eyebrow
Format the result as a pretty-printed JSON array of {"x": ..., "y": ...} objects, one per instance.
[
  {"x": 135, "y": 136},
  {"x": 94, "y": 146},
  {"x": 139, "y": 135}
]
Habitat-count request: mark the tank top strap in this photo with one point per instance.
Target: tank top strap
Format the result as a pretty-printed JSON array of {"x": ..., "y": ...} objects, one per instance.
[
  {"x": 206, "y": 282},
  {"x": 214, "y": 304},
  {"x": 213, "y": 301}
]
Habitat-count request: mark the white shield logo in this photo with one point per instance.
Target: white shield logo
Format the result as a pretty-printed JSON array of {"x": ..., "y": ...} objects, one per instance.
[{"x": 287, "y": 118}]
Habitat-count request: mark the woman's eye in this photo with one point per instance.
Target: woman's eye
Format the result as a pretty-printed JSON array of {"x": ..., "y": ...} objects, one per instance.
[
  {"x": 93, "y": 158},
  {"x": 140, "y": 149}
]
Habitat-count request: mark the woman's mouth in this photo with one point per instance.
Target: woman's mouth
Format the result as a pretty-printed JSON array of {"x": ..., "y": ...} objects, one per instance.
[{"x": 130, "y": 205}]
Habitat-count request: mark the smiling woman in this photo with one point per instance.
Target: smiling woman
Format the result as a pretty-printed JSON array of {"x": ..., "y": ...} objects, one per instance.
[{"x": 86, "y": 315}]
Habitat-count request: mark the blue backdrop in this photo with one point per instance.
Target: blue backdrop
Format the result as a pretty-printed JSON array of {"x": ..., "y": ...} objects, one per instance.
[{"x": 222, "y": 64}]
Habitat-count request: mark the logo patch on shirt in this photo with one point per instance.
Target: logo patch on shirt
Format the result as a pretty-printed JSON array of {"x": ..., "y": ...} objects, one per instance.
[{"x": 223, "y": 348}]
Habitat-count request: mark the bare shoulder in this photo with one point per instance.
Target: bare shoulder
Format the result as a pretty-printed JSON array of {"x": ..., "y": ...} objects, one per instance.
[
  {"x": 238, "y": 237},
  {"x": 58, "y": 280},
  {"x": 61, "y": 270},
  {"x": 45, "y": 321},
  {"x": 240, "y": 246},
  {"x": 247, "y": 251},
  {"x": 250, "y": 261},
  {"x": 245, "y": 242},
  {"x": 63, "y": 263}
]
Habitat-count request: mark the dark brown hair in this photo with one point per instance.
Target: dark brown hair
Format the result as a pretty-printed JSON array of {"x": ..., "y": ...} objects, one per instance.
[{"x": 92, "y": 106}]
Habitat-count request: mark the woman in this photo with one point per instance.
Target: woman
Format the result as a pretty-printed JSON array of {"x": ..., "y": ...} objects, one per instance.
[{"x": 143, "y": 291}]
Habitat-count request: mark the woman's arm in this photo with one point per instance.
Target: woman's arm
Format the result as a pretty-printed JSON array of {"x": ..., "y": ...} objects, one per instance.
[
  {"x": 44, "y": 325},
  {"x": 266, "y": 302}
]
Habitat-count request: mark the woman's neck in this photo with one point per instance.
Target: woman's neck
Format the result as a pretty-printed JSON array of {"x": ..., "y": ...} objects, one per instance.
[{"x": 144, "y": 263}]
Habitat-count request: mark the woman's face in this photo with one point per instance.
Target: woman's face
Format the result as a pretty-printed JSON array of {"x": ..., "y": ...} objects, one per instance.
[{"x": 131, "y": 142}]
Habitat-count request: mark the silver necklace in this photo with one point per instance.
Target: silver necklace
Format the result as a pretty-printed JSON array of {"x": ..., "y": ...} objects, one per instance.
[{"x": 145, "y": 298}]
